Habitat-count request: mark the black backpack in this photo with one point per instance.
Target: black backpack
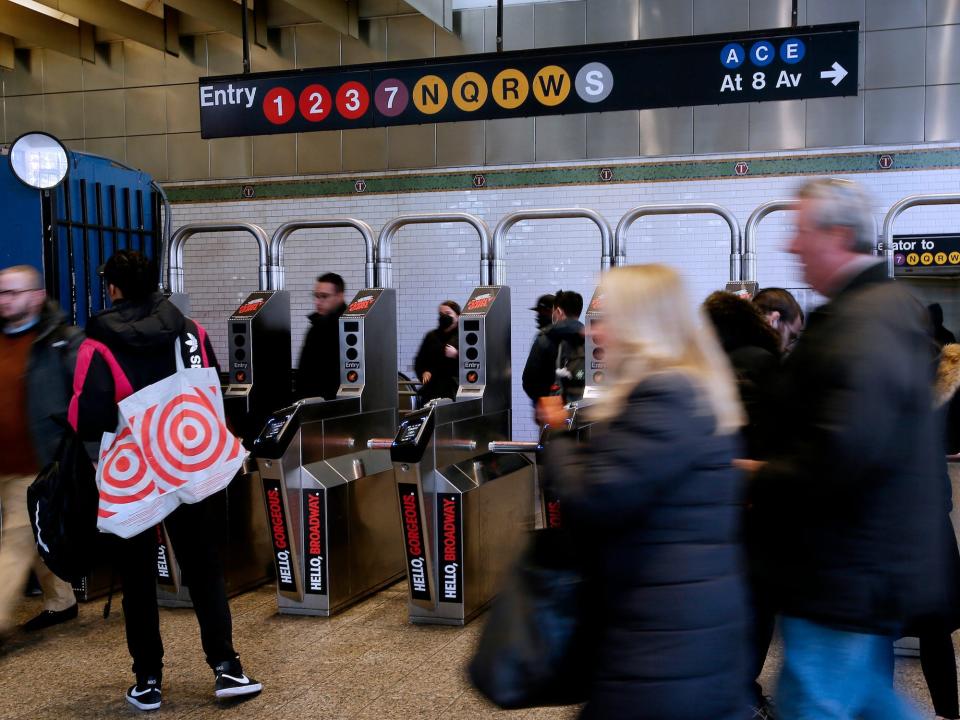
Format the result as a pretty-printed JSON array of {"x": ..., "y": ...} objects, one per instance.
[{"x": 63, "y": 503}]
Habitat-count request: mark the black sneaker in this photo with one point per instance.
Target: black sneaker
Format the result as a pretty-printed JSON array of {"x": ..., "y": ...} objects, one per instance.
[
  {"x": 49, "y": 618},
  {"x": 231, "y": 682},
  {"x": 145, "y": 695}
]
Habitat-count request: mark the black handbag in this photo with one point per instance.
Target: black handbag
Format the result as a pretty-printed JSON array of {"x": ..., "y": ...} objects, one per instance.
[{"x": 535, "y": 647}]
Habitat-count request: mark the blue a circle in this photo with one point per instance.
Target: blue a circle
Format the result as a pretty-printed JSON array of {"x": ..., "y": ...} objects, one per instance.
[
  {"x": 792, "y": 51},
  {"x": 732, "y": 56},
  {"x": 762, "y": 53}
]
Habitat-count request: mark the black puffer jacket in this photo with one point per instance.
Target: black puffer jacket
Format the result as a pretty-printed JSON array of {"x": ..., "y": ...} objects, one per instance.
[
  {"x": 432, "y": 358},
  {"x": 49, "y": 378},
  {"x": 555, "y": 343},
  {"x": 653, "y": 503},
  {"x": 318, "y": 374},
  {"x": 141, "y": 339}
]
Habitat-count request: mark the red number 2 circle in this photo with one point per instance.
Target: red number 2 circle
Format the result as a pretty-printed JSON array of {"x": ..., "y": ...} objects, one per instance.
[
  {"x": 278, "y": 105},
  {"x": 315, "y": 103},
  {"x": 352, "y": 100}
]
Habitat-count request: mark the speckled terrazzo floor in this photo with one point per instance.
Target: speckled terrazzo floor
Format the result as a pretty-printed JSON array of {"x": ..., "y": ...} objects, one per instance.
[{"x": 368, "y": 663}]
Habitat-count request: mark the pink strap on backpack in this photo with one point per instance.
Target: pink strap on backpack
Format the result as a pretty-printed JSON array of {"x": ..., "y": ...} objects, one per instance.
[{"x": 121, "y": 384}]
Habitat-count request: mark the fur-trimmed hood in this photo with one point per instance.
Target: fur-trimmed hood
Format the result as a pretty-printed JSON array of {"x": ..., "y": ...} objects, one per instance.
[{"x": 948, "y": 375}]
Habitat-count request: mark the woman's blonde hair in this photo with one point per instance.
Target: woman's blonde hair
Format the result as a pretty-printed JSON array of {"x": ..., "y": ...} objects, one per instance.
[{"x": 653, "y": 329}]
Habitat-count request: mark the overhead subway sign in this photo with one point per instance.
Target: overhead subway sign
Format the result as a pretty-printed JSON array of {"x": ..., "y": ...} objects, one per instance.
[{"x": 761, "y": 66}]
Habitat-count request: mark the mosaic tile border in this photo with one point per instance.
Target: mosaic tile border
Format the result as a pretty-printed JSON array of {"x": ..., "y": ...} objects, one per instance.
[{"x": 598, "y": 174}]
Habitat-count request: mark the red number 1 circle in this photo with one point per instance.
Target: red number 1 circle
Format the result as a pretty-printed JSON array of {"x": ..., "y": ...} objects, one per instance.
[
  {"x": 315, "y": 103},
  {"x": 352, "y": 100},
  {"x": 278, "y": 105}
]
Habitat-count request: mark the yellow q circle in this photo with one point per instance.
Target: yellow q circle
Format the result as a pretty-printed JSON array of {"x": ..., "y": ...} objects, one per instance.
[
  {"x": 470, "y": 91},
  {"x": 430, "y": 94},
  {"x": 510, "y": 89},
  {"x": 551, "y": 85}
]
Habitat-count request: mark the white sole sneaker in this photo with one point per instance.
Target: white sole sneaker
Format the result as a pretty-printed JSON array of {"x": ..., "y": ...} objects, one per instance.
[
  {"x": 239, "y": 690},
  {"x": 143, "y": 705}
]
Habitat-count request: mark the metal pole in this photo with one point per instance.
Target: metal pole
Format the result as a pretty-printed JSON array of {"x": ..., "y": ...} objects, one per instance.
[
  {"x": 500, "y": 25},
  {"x": 280, "y": 235},
  {"x": 246, "y": 36},
  {"x": 894, "y": 212},
  {"x": 736, "y": 237},
  {"x": 793, "y": 14}
]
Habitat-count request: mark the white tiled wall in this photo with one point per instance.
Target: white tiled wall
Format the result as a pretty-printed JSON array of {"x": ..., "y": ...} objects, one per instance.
[{"x": 433, "y": 263}]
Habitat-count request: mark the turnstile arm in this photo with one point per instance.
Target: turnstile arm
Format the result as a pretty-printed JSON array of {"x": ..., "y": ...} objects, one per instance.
[
  {"x": 380, "y": 443},
  {"x": 514, "y": 446}
]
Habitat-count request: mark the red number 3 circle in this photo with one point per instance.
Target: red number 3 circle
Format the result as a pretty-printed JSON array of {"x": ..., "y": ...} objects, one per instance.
[{"x": 352, "y": 100}]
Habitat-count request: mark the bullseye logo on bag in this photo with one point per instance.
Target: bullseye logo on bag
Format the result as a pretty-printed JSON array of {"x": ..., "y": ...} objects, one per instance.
[
  {"x": 126, "y": 474},
  {"x": 185, "y": 436}
]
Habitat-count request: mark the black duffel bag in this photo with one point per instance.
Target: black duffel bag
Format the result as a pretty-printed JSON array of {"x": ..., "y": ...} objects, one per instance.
[
  {"x": 62, "y": 503},
  {"x": 536, "y": 648}
]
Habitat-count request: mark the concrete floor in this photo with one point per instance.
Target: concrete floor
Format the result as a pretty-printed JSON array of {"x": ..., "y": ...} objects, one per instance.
[{"x": 368, "y": 662}]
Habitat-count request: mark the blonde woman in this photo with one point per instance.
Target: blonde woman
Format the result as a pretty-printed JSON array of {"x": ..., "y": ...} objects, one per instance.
[{"x": 653, "y": 503}]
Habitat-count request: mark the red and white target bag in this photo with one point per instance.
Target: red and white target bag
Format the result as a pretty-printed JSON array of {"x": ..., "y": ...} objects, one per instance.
[{"x": 171, "y": 446}]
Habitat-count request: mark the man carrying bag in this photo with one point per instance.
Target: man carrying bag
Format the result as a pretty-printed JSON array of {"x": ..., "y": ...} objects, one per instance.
[{"x": 129, "y": 347}]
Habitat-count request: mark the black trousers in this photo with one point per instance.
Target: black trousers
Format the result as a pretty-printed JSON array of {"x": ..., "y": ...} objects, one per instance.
[
  {"x": 191, "y": 529},
  {"x": 939, "y": 665}
]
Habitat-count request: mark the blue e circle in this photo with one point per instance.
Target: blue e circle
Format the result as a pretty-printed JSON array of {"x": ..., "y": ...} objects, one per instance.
[
  {"x": 762, "y": 53},
  {"x": 792, "y": 51}
]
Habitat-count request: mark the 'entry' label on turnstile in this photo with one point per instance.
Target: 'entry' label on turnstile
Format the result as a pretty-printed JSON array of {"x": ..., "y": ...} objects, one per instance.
[
  {"x": 449, "y": 514},
  {"x": 414, "y": 542},
  {"x": 314, "y": 541},
  {"x": 280, "y": 535}
]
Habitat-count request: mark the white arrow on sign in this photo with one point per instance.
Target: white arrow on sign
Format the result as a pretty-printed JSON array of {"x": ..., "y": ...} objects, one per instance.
[{"x": 837, "y": 74}]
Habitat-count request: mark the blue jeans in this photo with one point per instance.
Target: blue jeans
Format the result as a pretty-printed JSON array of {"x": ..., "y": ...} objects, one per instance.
[{"x": 835, "y": 675}]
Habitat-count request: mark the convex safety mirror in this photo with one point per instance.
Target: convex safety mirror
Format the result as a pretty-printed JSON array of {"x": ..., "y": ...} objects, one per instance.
[{"x": 39, "y": 160}]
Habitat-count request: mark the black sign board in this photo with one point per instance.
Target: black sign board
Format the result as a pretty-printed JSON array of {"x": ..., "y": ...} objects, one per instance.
[
  {"x": 415, "y": 541},
  {"x": 450, "y": 527},
  {"x": 757, "y": 66},
  {"x": 362, "y": 303},
  {"x": 481, "y": 300},
  {"x": 283, "y": 556},
  {"x": 252, "y": 304},
  {"x": 937, "y": 254},
  {"x": 314, "y": 542}
]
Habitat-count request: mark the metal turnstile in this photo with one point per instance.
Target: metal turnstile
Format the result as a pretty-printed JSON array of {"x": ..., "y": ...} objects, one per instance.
[
  {"x": 462, "y": 523},
  {"x": 330, "y": 500},
  {"x": 464, "y": 510},
  {"x": 258, "y": 361}
]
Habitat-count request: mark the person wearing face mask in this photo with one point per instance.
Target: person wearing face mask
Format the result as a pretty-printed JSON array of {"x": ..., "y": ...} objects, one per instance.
[{"x": 436, "y": 362}]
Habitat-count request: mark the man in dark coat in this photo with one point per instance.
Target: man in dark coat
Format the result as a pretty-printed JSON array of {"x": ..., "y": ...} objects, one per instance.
[
  {"x": 37, "y": 353},
  {"x": 853, "y": 495},
  {"x": 555, "y": 346},
  {"x": 318, "y": 374},
  {"x": 128, "y": 347}
]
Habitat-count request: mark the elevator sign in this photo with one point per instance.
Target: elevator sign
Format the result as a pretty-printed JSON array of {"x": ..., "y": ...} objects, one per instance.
[{"x": 782, "y": 64}]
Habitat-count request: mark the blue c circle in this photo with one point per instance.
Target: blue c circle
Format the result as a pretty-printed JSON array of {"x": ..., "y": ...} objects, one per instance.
[
  {"x": 792, "y": 51},
  {"x": 732, "y": 56},
  {"x": 762, "y": 53}
]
